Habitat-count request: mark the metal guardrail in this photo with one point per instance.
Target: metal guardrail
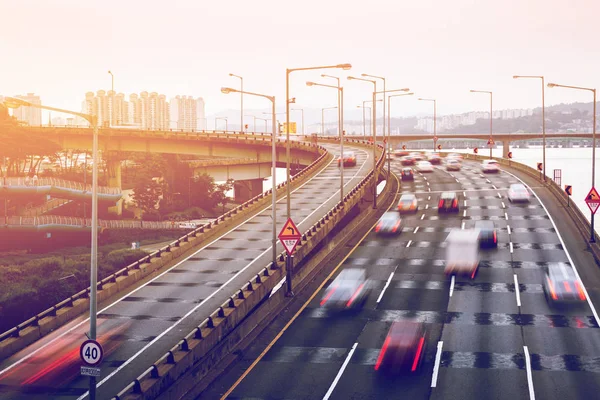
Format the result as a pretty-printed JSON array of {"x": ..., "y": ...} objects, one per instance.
[
  {"x": 57, "y": 182},
  {"x": 81, "y": 222},
  {"x": 183, "y": 345},
  {"x": 34, "y": 321}
]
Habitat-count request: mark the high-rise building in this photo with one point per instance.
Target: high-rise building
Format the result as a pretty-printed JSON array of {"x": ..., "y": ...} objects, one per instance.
[
  {"x": 187, "y": 113},
  {"x": 30, "y": 115}
]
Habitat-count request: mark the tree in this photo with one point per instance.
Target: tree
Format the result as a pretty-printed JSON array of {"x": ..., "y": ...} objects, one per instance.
[{"x": 146, "y": 193}]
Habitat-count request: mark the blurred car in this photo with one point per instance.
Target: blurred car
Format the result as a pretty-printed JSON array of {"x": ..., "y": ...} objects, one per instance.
[
  {"x": 349, "y": 159},
  {"x": 424, "y": 166},
  {"x": 350, "y": 289},
  {"x": 407, "y": 174},
  {"x": 403, "y": 348},
  {"x": 417, "y": 156},
  {"x": 487, "y": 233},
  {"x": 407, "y": 160},
  {"x": 453, "y": 164},
  {"x": 400, "y": 153},
  {"x": 389, "y": 223},
  {"x": 448, "y": 202},
  {"x": 434, "y": 158},
  {"x": 490, "y": 166},
  {"x": 57, "y": 364},
  {"x": 462, "y": 252},
  {"x": 408, "y": 203},
  {"x": 561, "y": 285},
  {"x": 455, "y": 156},
  {"x": 518, "y": 192}
]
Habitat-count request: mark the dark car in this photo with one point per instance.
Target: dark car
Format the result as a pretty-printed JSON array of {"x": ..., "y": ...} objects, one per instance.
[
  {"x": 350, "y": 289},
  {"x": 400, "y": 153},
  {"x": 403, "y": 348},
  {"x": 487, "y": 234},
  {"x": 389, "y": 223},
  {"x": 561, "y": 285},
  {"x": 448, "y": 202},
  {"x": 407, "y": 174},
  {"x": 407, "y": 160},
  {"x": 434, "y": 159}
]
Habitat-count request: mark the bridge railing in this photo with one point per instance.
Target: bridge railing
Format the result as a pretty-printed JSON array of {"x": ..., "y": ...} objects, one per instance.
[
  {"x": 81, "y": 222},
  {"x": 57, "y": 182},
  {"x": 131, "y": 269},
  {"x": 161, "y": 368}
]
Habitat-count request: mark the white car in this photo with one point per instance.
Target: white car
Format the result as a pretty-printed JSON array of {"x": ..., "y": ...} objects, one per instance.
[
  {"x": 490, "y": 166},
  {"x": 518, "y": 192},
  {"x": 453, "y": 165},
  {"x": 424, "y": 166},
  {"x": 455, "y": 156}
]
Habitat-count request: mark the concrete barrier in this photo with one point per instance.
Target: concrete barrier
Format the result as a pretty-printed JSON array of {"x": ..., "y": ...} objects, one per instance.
[
  {"x": 47, "y": 321},
  {"x": 203, "y": 347}
]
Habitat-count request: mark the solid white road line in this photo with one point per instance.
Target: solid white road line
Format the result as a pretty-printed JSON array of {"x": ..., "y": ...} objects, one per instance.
[
  {"x": 340, "y": 372},
  {"x": 566, "y": 251},
  {"x": 511, "y": 247},
  {"x": 422, "y": 216},
  {"x": 508, "y": 228},
  {"x": 503, "y": 205},
  {"x": 517, "y": 291},
  {"x": 386, "y": 286},
  {"x": 465, "y": 213},
  {"x": 506, "y": 216},
  {"x": 436, "y": 366},
  {"x": 529, "y": 374},
  {"x": 409, "y": 242},
  {"x": 452, "y": 285},
  {"x": 416, "y": 229},
  {"x": 462, "y": 226}
]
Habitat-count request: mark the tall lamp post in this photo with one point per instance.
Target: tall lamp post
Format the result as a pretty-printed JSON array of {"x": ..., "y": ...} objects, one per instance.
[
  {"x": 383, "y": 79},
  {"x": 263, "y": 119},
  {"x": 434, "y": 120},
  {"x": 363, "y": 112},
  {"x": 12, "y": 102},
  {"x": 385, "y": 142},
  {"x": 323, "y": 118},
  {"x": 227, "y": 90},
  {"x": 289, "y": 100},
  {"x": 491, "y": 140},
  {"x": 222, "y": 118},
  {"x": 241, "y": 91},
  {"x": 302, "y": 111},
  {"x": 551, "y": 85},
  {"x": 340, "y": 91},
  {"x": 112, "y": 96},
  {"x": 543, "y": 119},
  {"x": 389, "y": 109},
  {"x": 374, "y": 123}
]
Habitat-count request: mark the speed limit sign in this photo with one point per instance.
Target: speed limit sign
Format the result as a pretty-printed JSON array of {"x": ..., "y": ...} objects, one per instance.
[{"x": 91, "y": 353}]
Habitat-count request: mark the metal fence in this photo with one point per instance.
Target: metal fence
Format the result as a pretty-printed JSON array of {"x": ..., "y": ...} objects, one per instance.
[{"x": 57, "y": 182}]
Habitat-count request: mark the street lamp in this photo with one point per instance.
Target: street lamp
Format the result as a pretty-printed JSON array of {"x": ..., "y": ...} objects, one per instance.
[
  {"x": 385, "y": 142},
  {"x": 227, "y": 90},
  {"x": 112, "y": 98},
  {"x": 241, "y": 100},
  {"x": 374, "y": 123},
  {"x": 323, "y": 118},
  {"x": 551, "y": 85},
  {"x": 223, "y": 118},
  {"x": 434, "y": 120},
  {"x": 288, "y": 100},
  {"x": 302, "y": 111},
  {"x": 340, "y": 97},
  {"x": 12, "y": 102},
  {"x": 363, "y": 107},
  {"x": 254, "y": 123},
  {"x": 390, "y": 108},
  {"x": 263, "y": 119},
  {"x": 543, "y": 119},
  {"x": 491, "y": 116}
]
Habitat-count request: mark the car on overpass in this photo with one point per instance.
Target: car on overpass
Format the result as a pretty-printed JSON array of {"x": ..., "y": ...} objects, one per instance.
[
  {"x": 518, "y": 192},
  {"x": 424, "y": 166},
  {"x": 403, "y": 348},
  {"x": 349, "y": 159},
  {"x": 407, "y": 174},
  {"x": 417, "y": 156},
  {"x": 434, "y": 158},
  {"x": 350, "y": 289},
  {"x": 408, "y": 203},
  {"x": 453, "y": 164},
  {"x": 490, "y": 166},
  {"x": 389, "y": 223},
  {"x": 455, "y": 156},
  {"x": 488, "y": 236},
  {"x": 400, "y": 153},
  {"x": 462, "y": 252},
  {"x": 448, "y": 202},
  {"x": 561, "y": 285},
  {"x": 407, "y": 160}
]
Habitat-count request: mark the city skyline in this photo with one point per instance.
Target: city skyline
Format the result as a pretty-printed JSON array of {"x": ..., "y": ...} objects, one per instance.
[{"x": 441, "y": 54}]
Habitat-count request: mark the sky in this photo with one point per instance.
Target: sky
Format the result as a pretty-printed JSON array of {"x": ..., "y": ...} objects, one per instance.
[{"x": 438, "y": 48}]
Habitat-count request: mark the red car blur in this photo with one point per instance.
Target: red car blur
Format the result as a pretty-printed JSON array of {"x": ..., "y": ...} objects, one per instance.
[
  {"x": 58, "y": 363},
  {"x": 349, "y": 160},
  {"x": 403, "y": 349}
]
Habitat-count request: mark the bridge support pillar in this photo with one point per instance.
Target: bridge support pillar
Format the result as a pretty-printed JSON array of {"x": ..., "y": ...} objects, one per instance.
[
  {"x": 244, "y": 190},
  {"x": 505, "y": 148},
  {"x": 113, "y": 166}
]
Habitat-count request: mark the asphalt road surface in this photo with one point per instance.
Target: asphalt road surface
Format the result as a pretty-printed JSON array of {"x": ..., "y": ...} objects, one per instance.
[
  {"x": 491, "y": 337},
  {"x": 158, "y": 314}
]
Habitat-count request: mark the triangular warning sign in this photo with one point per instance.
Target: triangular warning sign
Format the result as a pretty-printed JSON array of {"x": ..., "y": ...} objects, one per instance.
[
  {"x": 289, "y": 231},
  {"x": 290, "y": 245},
  {"x": 593, "y": 196},
  {"x": 593, "y": 207}
]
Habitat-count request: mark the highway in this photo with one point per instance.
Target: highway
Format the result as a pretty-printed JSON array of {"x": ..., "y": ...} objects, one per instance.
[
  {"x": 491, "y": 337},
  {"x": 165, "y": 309}
]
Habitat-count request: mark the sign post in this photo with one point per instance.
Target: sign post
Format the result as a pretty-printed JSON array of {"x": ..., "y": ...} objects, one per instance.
[
  {"x": 91, "y": 354},
  {"x": 290, "y": 237},
  {"x": 593, "y": 201},
  {"x": 569, "y": 192}
]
